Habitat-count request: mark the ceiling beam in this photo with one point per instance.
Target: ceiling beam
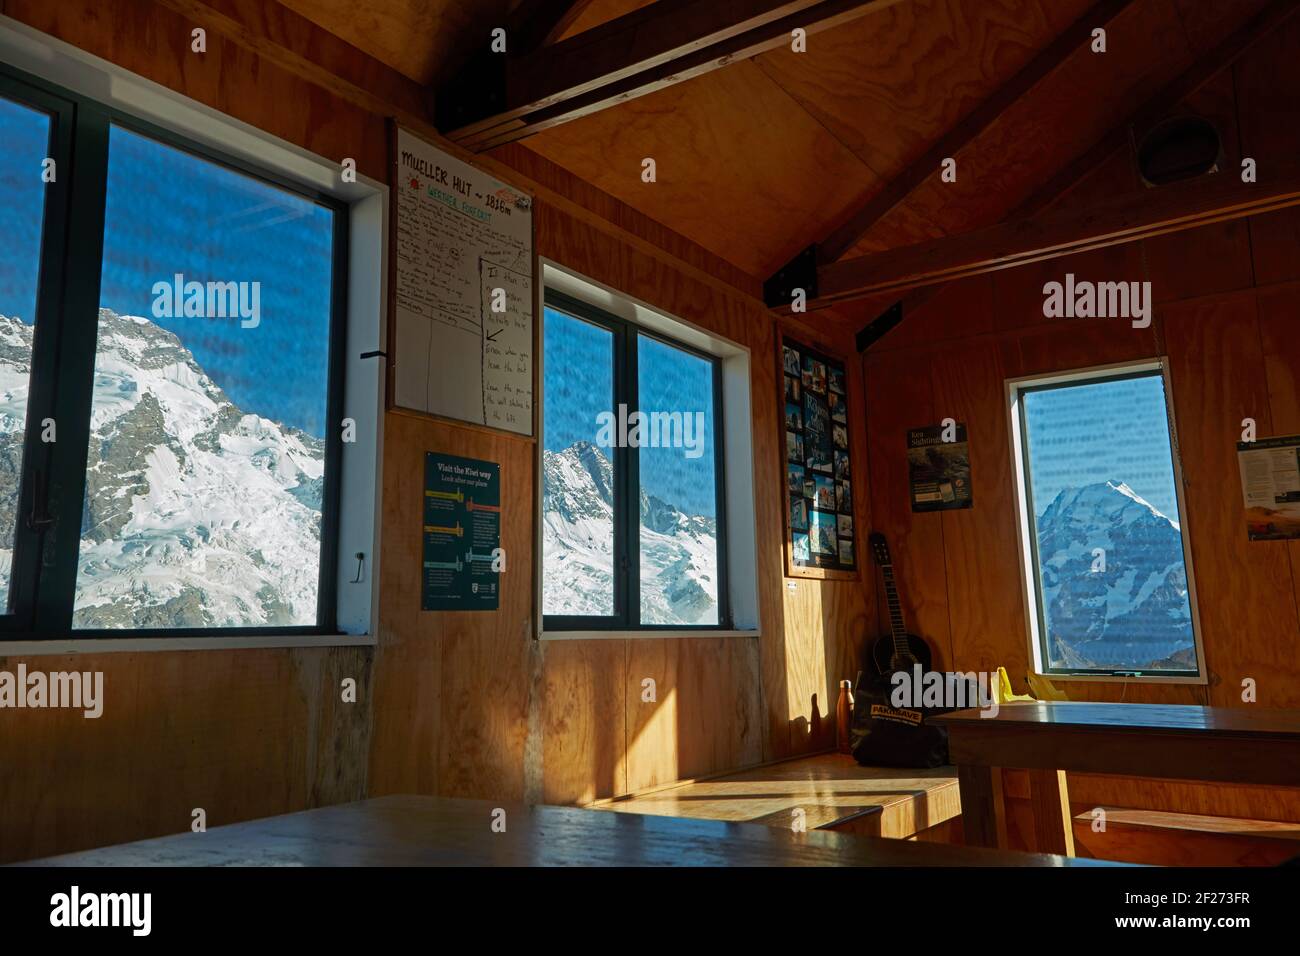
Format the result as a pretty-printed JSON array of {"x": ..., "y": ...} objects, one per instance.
[
  {"x": 896, "y": 192},
  {"x": 1126, "y": 218},
  {"x": 538, "y": 23},
  {"x": 1145, "y": 114},
  {"x": 502, "y": 98}
]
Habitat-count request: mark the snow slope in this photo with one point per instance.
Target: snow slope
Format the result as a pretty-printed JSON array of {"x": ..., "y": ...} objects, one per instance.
[
  {"x": 678, "y": 551},
  {"x": 1134, "y": 611},
  {"x": 197, "y": 513}
]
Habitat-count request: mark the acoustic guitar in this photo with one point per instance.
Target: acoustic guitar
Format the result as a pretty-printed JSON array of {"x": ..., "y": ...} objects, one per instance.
[{"x": 900, "y": 650}]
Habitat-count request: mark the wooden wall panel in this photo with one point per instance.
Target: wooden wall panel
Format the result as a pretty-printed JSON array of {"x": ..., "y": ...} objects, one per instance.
[
  {"x": 1248, "y": 611},
  {"x": 584, "y": 720},
  {"x": 1269, "y": 115},
  {"x": 1279, "y": 317},
  {"x": 980, "y": 546},
  {"x": 241, "y": 734},
  {"x": 900, "y": 397}
]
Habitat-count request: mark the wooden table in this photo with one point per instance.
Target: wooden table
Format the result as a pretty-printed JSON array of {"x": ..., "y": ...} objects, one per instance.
[
  {"x": 434, "y": 831},
  {"x": 832, "y": 791},
  {"x": 1047, "y": 738}
]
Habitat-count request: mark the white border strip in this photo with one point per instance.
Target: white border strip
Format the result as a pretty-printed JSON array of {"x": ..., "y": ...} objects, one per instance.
[{"x": 110, "y": 645}]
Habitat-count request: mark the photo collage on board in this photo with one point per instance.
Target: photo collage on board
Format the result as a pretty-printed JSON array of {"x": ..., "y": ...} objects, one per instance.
[{"x": 818, "y": 481}]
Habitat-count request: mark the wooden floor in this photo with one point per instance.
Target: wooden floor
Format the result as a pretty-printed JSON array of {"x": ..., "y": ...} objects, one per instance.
[
  {"x": 432, "y": 831},
  {"x": 832, "y": 789}
]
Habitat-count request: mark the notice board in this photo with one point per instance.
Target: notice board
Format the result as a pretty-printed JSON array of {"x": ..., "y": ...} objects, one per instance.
[
  {"x": 820, "y": 536},
  {"x": 462, "y": 534},
  {"x": 462, "y": 342}
]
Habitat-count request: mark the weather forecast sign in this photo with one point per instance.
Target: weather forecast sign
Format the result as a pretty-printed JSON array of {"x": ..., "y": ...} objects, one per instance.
[{"x": 463, "y": 560}]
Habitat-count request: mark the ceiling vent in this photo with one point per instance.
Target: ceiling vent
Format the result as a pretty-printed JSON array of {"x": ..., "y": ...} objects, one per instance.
[{"x": 1177, "y": 149}]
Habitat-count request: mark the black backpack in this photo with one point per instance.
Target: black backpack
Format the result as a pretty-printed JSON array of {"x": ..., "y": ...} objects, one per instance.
[{"x": 883, "y": 735}]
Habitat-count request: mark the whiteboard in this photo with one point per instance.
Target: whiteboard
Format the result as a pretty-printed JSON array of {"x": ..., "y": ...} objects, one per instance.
[{"x": 463, "y": 291}]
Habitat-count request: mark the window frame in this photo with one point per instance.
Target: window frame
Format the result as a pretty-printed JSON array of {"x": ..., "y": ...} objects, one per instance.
[
  {"x": 67, "y": 350},
  {"x": 18, "y": 88},
  {"x": 1026, "y": 522},
  {"x": 627, "y": 477}
]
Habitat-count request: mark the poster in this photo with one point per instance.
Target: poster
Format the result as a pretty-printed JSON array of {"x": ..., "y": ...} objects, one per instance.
[
  {"x": 1270, "y": 487},
  {"x": 463, "y": 290},
  {"x": 819, "y": 519},
  {"x": 462, "y": 534},
  {"x": 938, "y": 464}
]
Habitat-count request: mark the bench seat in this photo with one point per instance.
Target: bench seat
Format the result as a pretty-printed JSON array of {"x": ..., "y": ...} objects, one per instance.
[
  {"x": 833, "y": 792},
  {"x": 1185, "y": 839}
]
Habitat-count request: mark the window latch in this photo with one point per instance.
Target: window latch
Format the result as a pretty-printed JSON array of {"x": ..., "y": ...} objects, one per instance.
[{"x": 38, "y": 519}]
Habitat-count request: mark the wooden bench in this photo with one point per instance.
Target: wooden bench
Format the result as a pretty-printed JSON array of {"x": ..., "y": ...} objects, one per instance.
[
  {"x": 831, "y": 790},
  {"x": 1185, "y": 839}
]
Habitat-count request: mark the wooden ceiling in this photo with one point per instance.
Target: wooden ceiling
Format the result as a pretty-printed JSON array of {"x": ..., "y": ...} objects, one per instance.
[{"x": 759, "y": 159}]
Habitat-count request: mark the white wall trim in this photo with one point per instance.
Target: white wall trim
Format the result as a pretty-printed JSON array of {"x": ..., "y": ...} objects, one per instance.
[
  {"x": 640, "y": 633},
  {"x": 111, "y": 645}
]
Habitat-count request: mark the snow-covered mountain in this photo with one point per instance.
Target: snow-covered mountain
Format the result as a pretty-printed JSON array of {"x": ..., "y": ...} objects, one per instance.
[
  {"x": 197, "y": 513},
  {"x": 1134, "y": 612},
  {"x": 678, "y": 551}
]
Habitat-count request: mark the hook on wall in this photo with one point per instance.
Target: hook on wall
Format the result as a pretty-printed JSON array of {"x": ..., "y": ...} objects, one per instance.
[{"x": 361, "y": 560}]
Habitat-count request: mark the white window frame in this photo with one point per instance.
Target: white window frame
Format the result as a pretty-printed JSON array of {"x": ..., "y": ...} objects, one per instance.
[
  {"x": 74, "y": 69},
  {"x": 1025, "y": 530},
  {"x": 737, "y": 431}
]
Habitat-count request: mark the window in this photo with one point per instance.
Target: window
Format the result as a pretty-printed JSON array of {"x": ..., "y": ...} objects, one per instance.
[
  {"x": 633, "y": 518},
  {"x": 169, "y": 466},
  {"x": 1111, "y": 591}
]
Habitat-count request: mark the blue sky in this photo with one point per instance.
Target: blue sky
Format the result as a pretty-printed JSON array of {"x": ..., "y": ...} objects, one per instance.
[
  {"x": 25, "y": 135},
  {"x": 1101, "y": 431},
  {"x": 579, "y": 384},
  {"x": 171, "y": 212}
]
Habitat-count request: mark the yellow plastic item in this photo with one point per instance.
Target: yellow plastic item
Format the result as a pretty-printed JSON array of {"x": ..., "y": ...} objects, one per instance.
[
  {"x": 1044, "y": 689},
  {"x": 1005, "y": 694}
]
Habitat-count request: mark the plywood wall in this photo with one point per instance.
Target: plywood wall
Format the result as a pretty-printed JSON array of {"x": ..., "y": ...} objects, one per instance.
[
  {"x": 1228, "y": 305},
  {"x": 457, "y": 704},
  {"x": 469, "y": 705}
]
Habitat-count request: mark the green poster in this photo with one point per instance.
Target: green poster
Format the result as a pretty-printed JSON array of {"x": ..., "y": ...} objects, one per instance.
[{"x": 462, "y": 534}]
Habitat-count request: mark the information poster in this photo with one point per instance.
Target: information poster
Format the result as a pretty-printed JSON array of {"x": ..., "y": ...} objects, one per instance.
[
  {"x": 463, "y": 291},
  {"x": 938, "y": 463},
  {"x": 462, "y": 534},
  {"x": 820, "y": 532},
  {"x": 1270, "y": 487}
]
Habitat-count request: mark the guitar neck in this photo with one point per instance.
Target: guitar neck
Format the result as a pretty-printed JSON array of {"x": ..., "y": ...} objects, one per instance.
[{"x": 896, "y": 628}]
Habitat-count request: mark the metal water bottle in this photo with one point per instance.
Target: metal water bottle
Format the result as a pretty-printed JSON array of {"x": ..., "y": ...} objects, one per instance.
[{"x": 844, "y": 716}]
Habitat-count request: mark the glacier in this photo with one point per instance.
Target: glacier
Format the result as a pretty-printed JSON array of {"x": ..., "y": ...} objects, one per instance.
[
  {"x": 197, "y": 513},
  {"x": 679, "y": 582}
]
